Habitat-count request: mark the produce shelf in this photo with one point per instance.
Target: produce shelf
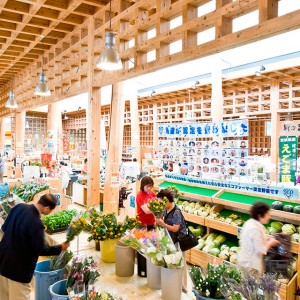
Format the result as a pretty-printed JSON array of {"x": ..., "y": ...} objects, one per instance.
[
  {"x": 242, "y": 201},
  {"x": 194, "y": 218},
  {"x": 200, "y": 258},
  {"x": 221, "y": 226},
  {"x": 189, "y": 191}
]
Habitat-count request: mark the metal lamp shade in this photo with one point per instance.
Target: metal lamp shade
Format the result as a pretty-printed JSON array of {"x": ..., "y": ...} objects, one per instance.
[
  {"x": 42, "y": 89},
  {"x": 11, "y": 103},
  {"x": 109, "y": 58}
]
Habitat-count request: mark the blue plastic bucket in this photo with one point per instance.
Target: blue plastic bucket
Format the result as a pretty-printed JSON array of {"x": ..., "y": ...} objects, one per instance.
[
  {"x": 43, "y": 279},
  {"x": 57, "y": 290}
]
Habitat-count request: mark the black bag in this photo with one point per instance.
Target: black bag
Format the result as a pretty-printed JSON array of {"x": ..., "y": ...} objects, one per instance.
[{"x": 188, "y": 241}]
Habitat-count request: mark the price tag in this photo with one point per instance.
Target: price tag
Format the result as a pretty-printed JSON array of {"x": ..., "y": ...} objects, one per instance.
[{"x": 132, "y": 201}]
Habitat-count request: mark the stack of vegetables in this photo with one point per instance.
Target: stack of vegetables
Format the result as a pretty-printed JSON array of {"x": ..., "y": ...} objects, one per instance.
[
  {"x": 59, "y": 221},
  {"x": 278, "y": 205},
  {"x": 27, "y": 191},
  {"x": 215, "y": 245},
  {"x": 197, "y": 230},
  {"x": 290, "y": 229},
  {"x": 231, "y": 218},
  {"x": 196, "y": 208}
]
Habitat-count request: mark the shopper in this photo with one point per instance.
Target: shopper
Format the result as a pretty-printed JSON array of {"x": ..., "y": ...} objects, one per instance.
[
  {"x": 1, "y": 168},
  {"x": 65, "y": 173},
  {"x": 174, "y": 222},
  {"x": 254, "y": 243},
  {"x": 145, "y": 216},
  {"x": 21, "y": 245},
  {"x": 84, "y": 169}
]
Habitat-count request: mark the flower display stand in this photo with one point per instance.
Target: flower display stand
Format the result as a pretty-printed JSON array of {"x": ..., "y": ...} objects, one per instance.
[
  {"x": 171, "y": 283},
  {"x": 153, "y": 276}
]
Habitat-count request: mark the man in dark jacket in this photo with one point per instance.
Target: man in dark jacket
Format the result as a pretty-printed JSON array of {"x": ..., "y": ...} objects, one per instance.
[{"x": 21, "y": 245}]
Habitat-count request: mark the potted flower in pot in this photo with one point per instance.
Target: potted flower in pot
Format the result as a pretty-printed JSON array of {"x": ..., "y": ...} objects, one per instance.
[{"x": 207, "y": 282}]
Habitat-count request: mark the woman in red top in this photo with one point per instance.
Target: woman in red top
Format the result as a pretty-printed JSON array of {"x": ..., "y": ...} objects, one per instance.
[{"x": 143, "y": 197}]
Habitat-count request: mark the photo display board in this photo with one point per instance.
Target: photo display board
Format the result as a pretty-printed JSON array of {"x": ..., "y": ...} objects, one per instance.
[{"x": 213, "y": 149}]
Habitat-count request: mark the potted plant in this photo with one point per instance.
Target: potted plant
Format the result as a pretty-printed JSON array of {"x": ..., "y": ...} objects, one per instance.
[
  {"x": 176, "y": 192},
  {"x": 207, "y": 282}
]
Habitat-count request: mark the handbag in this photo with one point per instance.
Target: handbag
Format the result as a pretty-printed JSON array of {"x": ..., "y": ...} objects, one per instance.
[{"x": 188, "y": 241}]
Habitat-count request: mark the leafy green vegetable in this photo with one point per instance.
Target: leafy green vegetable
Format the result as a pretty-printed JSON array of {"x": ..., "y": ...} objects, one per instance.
[{"x": 61, "y": 219}]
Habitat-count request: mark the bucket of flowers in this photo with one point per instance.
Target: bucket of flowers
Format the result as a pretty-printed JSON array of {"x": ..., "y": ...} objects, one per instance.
[
  {"x": 157, "y": 206},
  {"x": 83, "y": 272}
]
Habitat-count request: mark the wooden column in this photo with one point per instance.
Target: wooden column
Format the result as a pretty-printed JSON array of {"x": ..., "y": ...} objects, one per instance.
[
  {"x": 216, "y": 93},
  {"x": 2, "y": 135},
  {"x": 114, "y": 154},
  {"x": 19, "y": 139},
  {"x": 275, "y": 121},
  {"x": 223, "y": 24},
  {"x": 93, "y": 137},
  {"x": 54, "y": 125},
  {"x": 135, "y": 126},
  {"x": 155, "y": 128},
  {"x": 93, "y": 125}
]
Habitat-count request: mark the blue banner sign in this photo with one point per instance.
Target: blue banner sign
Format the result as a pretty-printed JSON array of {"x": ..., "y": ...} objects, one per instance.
[{"x": 280, "y": 192}]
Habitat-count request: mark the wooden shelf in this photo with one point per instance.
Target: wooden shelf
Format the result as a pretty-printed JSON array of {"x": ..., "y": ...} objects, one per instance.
[{"x": 194, "y": 219}]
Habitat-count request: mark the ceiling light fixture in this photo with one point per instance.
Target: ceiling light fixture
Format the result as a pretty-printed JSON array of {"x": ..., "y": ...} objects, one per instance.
[
  {"x": 27, "y": 125},
  {"x": 11, "y": 102},
  {"x": 42, "y": 88},
  {"x": 261, "y": 69},
  {"x": 195, "y": 84},
  {"x": 109, "y": 58},
  {"x": 153, "y": 93}
]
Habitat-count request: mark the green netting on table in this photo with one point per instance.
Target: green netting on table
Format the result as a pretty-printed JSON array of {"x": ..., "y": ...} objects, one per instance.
[
  {"x": 189, "y": 189},
  {"x": 246, "y": 199}
]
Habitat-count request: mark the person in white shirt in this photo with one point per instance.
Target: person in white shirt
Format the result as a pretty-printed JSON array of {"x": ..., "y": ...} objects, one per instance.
[
  {"x": 254, "y": 243},
  {"x": 65, "y": 173}
]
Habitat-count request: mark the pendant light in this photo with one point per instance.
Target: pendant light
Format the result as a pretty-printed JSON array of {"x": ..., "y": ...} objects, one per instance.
[
  {"x": 42, "y": 88},
  {"x": 109, "y": 59},
  {"x": 11, "y": 102}
]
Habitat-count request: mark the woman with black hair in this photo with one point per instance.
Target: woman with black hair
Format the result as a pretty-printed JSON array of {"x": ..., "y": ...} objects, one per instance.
[
  {"x": 254, "y": 242},
  {"x": 174, "y": 222}
]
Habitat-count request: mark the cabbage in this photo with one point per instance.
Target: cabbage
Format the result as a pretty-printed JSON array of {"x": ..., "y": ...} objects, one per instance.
[
  {"x": 277, "y": 225},
  {"x": 224, "y": 247},
  {"x": 272, "y": 230},
  {"x": 197, "y": 206},
  {"x": 234, "y": 250},
  {"x": 224, "y": 255},
  {"x": 192, "y": 204},
  {"x": 214, "y": 251},
  {"x": 296, "y": 237},
  {"x": 288, "y": 229}
]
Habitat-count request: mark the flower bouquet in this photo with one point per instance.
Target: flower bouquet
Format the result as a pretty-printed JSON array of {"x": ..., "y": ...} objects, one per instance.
[
  {"x": 157, "y": 206},
  {"x": 84, "y": 271},
  {"x": 157, "y": 246},
  {"x": 93, "y": 295},
  {"x": 207, "y": 282},
  {"x": 78, "y": 224},
  {"x": 60, "y": 261}
]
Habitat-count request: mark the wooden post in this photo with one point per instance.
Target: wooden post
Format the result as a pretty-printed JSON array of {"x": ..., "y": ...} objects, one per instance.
[
  {"x": 275, "y": 121},
  {"x": 268, "y": 9},
  {"x": 93, "y": 137},
  {"x": 93, "y": 125},
  {"x": 2, "y": 135},
  {"x": 114, "y": 154},
  {"x": 19, "y": 139},
  {"x": 155, "y": 129},
  {"x": 54, "y": 125},
  {"x": 135, "y": 126}
]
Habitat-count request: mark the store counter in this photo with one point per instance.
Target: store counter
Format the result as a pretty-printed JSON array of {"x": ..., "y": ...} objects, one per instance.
[{"x": 80, "y": 194}]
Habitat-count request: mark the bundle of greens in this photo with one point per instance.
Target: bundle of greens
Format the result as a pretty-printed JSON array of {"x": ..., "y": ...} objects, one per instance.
[{"x": 60, "y": 261}]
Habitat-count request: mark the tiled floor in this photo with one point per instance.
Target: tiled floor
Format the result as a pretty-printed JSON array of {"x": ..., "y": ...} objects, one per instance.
[{"x": 129, "y": 288}]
